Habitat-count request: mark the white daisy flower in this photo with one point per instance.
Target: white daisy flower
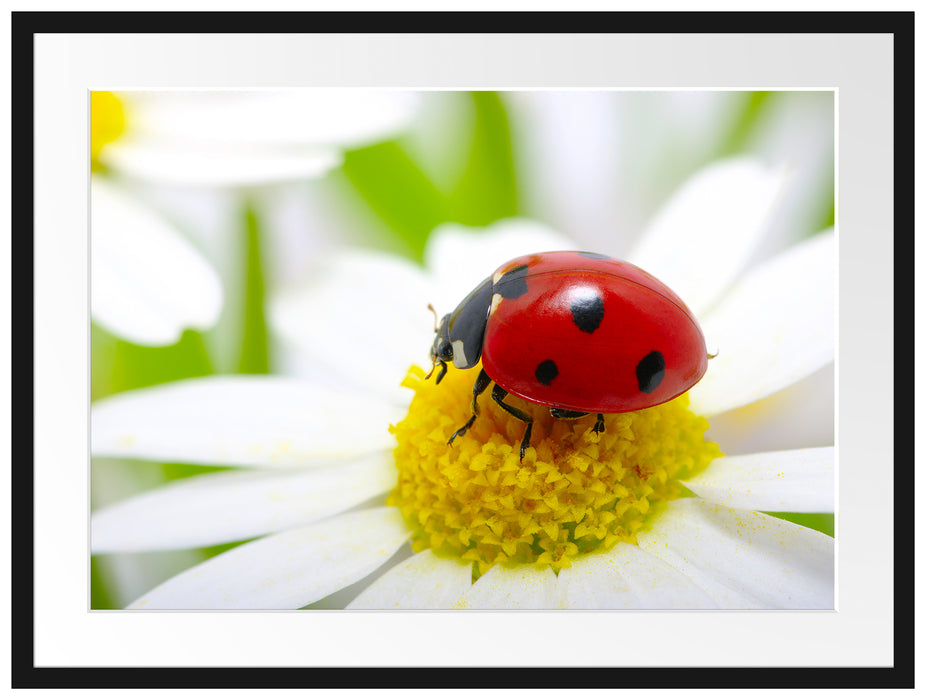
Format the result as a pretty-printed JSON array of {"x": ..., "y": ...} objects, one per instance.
[
  {"x": 588, "y": 159},
  {"x": 646, "y": 515},
  {"x": 149, "y": 283}
]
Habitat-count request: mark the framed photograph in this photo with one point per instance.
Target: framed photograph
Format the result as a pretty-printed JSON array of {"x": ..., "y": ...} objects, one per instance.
[{"x": 543, "y": 343}]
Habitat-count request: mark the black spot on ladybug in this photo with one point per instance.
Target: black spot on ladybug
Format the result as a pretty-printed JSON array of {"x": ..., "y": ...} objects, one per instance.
[
  {"x": 546, "y": 372},
  {"x": 594, "y": 256},
  {"x": 650, "y": 371},
  {"x": 587, "y": 312},
  {"x": 512, "y": 284}
]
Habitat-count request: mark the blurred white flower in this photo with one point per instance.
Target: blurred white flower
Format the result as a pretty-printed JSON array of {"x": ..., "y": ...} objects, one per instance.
[
  {"x": 598, "y": 164},
  {"x": 318, "y": 450},
  {"x": 247, "y": 138},
  {"x": 149, "y": 283}
]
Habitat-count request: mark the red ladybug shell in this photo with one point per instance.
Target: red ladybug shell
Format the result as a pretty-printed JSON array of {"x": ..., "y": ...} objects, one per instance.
[{"x": 585, "y": 332}]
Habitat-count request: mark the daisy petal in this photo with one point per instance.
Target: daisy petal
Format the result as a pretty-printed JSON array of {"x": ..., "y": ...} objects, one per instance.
[
  {"x": 240, "y": 421},
  {"x": 513, "y": 588},
  {"x": 460, "y": 257},
  {"x": 744, "y": 559},
  {"x": 800, "y": 415},
  {"x": 421, "y": 582},
  {"x": 227, "y": 507},
  {"x": 775, "y": 327},
  {"x": 628, "y": 577},
  {"x": 206, "y": 165},
  {"x": 287, "y": 570},
  {"x": 703, "y": 236},
  {"x": 369, "y": 319},
  {"x": 790, "y": 481},
  {"x": 148, "y": 283},
  {"x": 291, "y": 118}
]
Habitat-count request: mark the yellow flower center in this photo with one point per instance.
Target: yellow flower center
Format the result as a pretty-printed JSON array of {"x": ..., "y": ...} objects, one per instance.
[
  {"x": 107, "y": 121},
  {"x": 576, "y": 491}
]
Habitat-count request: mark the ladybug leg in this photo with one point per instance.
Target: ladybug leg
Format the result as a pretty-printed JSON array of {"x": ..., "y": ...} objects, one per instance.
[
  {"x": 482, "y": 381},
  {"x": 566, "y": 413},
  {"x": 498, "y": 394},
  {"x": 440, "y": 375}
]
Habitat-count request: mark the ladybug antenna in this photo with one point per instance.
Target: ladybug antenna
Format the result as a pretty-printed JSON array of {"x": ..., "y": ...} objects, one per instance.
[
  {"x": 711, "y": 357},
  {"x": 433, "y": 358}
]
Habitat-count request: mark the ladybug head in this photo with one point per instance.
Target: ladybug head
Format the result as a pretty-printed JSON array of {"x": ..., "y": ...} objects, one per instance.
[
  {"x": 441, "y": 348},
  {"x": 458, "y": 337}
]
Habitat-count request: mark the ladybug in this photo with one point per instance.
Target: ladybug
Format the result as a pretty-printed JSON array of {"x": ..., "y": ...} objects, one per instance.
[{"x": 576, "y": 331}]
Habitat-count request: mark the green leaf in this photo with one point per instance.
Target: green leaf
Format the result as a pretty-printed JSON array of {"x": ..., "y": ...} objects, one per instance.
[
  {"x": 255, "y": 341},
  {"x": 821, "y": 522},
  {"x": 487, "y": 190},
  {"x": 398, "y": 191},
  {"x": 751, "y": 110},
  {"x": 829, "y": 216},
  {"x": 118, "y": 365},
  {"x": 101, "y": 595}
]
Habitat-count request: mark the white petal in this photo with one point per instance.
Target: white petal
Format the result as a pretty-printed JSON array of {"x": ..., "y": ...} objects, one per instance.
[
  {"x": 744, "y": 559},
  {"x": 628, "y": 577},
  {"x": 208, "y": 165},
  {"x": 147, "y": 283},
  {"x": 775, "y": 327},
  {"x": 513, "y": 588},
  {"x": 240, "y": 421},
  {"x": 227, "y": 507},
  {"x": 365, "y": 316},
  {"x": 701, "y": 239},
  {"x": 287, "y": 570},
  {"x": 460, "y": 257},
  {"x": 421, "y": 582},
  {"x": 798, "y": 416},
  {"x": 789, "y": 481},
  {"x": 272, "y": 118},
  {"x": 569, "y": 162},
  {"x": 797, "y": 128}
]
